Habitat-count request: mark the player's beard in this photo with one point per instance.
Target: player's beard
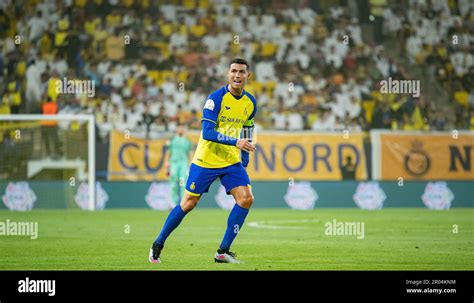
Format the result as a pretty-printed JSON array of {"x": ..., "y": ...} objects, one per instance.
[{"x": 237, "y": 89}]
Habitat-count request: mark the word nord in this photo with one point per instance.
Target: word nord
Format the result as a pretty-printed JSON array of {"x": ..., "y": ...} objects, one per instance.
[
  {"x": 400, "y": 87},
  {"x": 66, "y": 86},
  {"x": 335, "y": 228},
  {"x": 37, "y": 286},
  {"x": 11, "y": 228}
]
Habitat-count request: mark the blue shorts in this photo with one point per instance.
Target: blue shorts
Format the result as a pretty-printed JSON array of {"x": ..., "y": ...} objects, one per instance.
[{"x": 201, "y": 178}]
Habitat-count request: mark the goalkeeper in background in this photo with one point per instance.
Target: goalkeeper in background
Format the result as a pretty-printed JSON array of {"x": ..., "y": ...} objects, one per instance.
[
  {"x": 220, "y": 154},
  {"x": 177, "y": 163}
]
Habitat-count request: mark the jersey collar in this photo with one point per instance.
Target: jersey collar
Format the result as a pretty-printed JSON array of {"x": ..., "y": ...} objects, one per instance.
[{"x": 236, "y": 97}]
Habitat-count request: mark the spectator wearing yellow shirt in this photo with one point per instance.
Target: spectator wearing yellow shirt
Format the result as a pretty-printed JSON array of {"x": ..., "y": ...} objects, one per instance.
[
  {"x": 113, "y": 20},
  {"x": 52, "y": 92},
  {"x": 471, "y": 122},
  {"x": 46, "y": 43},
  {"x": 14, "y": 95},
  {"x": 114, "y": 47},
  {"x": 407, "y": 123}
]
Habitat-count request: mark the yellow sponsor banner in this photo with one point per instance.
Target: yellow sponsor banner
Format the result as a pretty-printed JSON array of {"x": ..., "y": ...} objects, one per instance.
[
  {"x": 306, "y": 156},
  {"x": 137, "y": 159},
  {"x": 279, "y": 156},
  {"x": 421, "y": 156}
]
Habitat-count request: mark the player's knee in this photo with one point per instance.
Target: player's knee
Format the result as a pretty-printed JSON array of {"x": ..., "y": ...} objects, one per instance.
[
  {"x": 189, "y": 203},
  {"x": 245, "y": 201}
]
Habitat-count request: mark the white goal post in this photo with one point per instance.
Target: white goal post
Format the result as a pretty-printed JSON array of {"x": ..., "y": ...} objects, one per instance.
[{"x": 90, "y": 120}]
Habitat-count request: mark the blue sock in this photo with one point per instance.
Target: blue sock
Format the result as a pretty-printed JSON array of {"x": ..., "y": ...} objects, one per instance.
[
  {"x": 174, "y": 219},
  {"x": 234, "y": 224}
]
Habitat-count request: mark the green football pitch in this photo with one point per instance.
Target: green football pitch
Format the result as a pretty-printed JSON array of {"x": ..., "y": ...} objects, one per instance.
[{"x": 272, "y": 239}]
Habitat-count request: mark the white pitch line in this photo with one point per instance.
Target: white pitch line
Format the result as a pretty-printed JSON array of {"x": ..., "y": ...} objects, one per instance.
[{"x": 267, "y": 225}]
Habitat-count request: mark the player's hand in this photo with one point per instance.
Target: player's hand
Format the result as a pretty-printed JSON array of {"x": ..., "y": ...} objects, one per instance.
[{"x": 245, "y": 145}]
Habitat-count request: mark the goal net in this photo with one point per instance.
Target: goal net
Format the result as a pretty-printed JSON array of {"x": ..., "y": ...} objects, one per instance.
[{"x": 47, "y": 161}]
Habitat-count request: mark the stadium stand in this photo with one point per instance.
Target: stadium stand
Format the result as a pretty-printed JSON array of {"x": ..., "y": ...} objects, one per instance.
[{"x": 314, "y": 68}]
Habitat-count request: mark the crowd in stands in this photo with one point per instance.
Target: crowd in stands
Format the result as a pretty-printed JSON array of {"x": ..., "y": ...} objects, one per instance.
[
  {"x": 438, "y": 36},
  {"x": 153, "y": 63}
]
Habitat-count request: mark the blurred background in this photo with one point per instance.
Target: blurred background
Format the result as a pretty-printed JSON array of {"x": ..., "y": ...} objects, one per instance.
[{"x": 317, "y": 70}]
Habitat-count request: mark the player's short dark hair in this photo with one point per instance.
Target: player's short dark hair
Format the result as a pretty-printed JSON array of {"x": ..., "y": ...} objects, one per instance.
[{"x": 240, "y": 61}]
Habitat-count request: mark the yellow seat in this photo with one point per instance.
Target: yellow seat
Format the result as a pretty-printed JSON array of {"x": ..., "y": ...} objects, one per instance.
[
  {"x": 63, "y": 24},
  {"x": 203, "y": 4},
  {"x": 127, "y": 3},
  {"x": 182, "y": 29},
  {"x": 183, "y": 76},
  {"x": 80, "y": 3},
  {"x": 234, "y": 49},
  {"x": 89, "y": 27},
  {"x": 294, "y": 27},
  {"x": 145, "y": 3},
  {"x": 154, "y": 74},
  {"x": 257, "y": 86},
  {"x": 4, "y": 106},
  {"x": 189, "y": 4},
  {"x": 462, "y": 97},
  {"x": 113, "y": 20},
  {"x": 164, "y": 48},
  {"x": 268, "y": 49},
  {"x": 166, "y": 29},
  {"x": 270, "y": 85},
  {"x": 198, "y": 30}
]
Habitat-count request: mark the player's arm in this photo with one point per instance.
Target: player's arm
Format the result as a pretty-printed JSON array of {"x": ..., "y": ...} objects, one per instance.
[
  {"x": 209, "y": 132},
  {"x": 247, "y": 132},
  {"x": 246, "y": 135}
]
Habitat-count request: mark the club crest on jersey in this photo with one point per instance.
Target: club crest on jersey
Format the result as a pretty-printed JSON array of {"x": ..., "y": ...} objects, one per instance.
[
  {"x": 209, "y": 104},
  {"x": 227, "y": 107},
  {"x": 192, "y": 186}
]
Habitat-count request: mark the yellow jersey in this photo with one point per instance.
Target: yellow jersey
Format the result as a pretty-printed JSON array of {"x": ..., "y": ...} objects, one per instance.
[{"x": 230, "y": 114}]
